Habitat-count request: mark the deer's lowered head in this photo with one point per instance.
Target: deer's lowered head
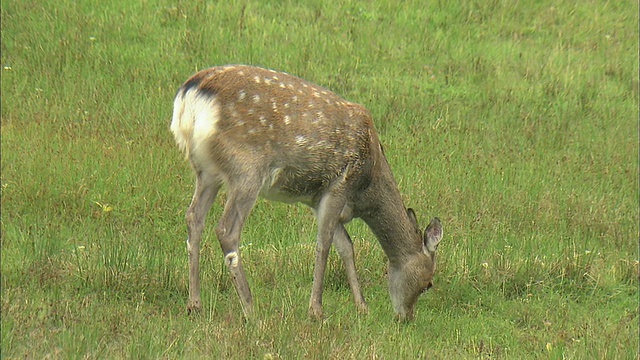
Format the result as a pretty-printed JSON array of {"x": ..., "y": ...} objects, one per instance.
[{"x": 411, "y": 275}]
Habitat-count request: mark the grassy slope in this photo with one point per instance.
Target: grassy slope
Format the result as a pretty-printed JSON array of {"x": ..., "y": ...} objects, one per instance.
[{"x": 516, "y": 125}]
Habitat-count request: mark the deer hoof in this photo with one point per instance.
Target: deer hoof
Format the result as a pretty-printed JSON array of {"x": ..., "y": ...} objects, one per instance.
[
  {"x": 194, "y": 307},
  {"x": 315, "y": 313},
  {"x": 362, "y": 308}
]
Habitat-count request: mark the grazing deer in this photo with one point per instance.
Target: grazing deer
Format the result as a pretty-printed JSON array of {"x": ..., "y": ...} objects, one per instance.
[{"x": 270, "y": 134}]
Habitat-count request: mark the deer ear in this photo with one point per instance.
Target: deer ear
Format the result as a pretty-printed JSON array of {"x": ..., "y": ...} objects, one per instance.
[
  {"x": 412, "y": 216},
  {"x": 432, "y": 235}
]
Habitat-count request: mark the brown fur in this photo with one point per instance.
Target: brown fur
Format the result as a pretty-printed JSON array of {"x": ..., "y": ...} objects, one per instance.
[{"x": 278, "y": 136}]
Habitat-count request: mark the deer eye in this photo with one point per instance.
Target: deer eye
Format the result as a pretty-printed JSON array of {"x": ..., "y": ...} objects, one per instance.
[{"x": 429, "y": 285}]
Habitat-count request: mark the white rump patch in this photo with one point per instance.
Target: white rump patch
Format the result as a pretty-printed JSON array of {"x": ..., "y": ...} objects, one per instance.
[{"x": 195, "y": 116}]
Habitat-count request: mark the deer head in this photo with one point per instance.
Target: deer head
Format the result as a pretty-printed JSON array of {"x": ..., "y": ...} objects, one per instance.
[{"x": 412, "y": 276}]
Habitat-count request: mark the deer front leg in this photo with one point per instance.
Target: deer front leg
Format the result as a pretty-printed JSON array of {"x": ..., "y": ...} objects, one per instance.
[
  {"x": 237, "y": 208},
  {"x": 203, "y": 197},
  {"x": 328, "y": 212},
  {"x": 344, "y": 245}
]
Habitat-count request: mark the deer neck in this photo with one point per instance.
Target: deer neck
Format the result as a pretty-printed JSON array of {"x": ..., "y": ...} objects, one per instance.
[{"x": 387, "y": 217}]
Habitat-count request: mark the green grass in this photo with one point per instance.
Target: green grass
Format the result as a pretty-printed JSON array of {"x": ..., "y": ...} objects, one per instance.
[{"x": 516, "y": 123}]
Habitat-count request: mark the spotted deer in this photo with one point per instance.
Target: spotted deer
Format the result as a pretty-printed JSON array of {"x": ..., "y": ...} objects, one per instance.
[{"x": 270, "y": 134}]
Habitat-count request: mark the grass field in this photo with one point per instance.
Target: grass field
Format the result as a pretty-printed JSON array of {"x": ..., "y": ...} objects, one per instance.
[{"x": 515, "y": 122}]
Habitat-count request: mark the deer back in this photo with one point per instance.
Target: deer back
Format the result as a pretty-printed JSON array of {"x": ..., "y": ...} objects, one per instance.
[{"x": 298, "y": 136}]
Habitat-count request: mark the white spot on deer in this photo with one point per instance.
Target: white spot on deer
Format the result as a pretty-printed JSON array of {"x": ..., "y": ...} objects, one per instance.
[
  {"x": 324, "y": 92},
  {"x": 286, "y": 105},
  {"x": 256, "y": 98},
  {"x": 295, "y": 98},
  {"x": 275, "y": 77},
  {"x": 232, "y": 259},
  {"x": 241, "y": 73},
  {"x": 301, "y": 139},
  {"x": 287, "y": 119},
  {"x": 242, "y": 95},
  {"x": 316, "y": 94},
  {"x": 267, "y": 81},
  {"x": 282, "y": 85},
  {"x": 263, "y": 120},
  {"x": 231, "y": 108},
  {"x": 274, "y": 106},
  {"x": 256, "y": 79}
]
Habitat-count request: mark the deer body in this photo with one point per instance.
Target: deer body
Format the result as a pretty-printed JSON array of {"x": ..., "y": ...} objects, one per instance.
[{"x": 270, "y": 134}]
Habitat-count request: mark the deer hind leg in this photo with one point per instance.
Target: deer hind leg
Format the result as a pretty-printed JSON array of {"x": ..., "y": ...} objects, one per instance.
[
  {"x": 328, "y": 217},
  {"x": 344, "y": 245},
  {"x": 203, "y": 197},
  {"x": 239, "y": 204}
]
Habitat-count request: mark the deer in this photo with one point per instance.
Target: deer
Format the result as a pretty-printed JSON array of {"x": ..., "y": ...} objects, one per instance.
[{"x": 263, "y": 133}]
